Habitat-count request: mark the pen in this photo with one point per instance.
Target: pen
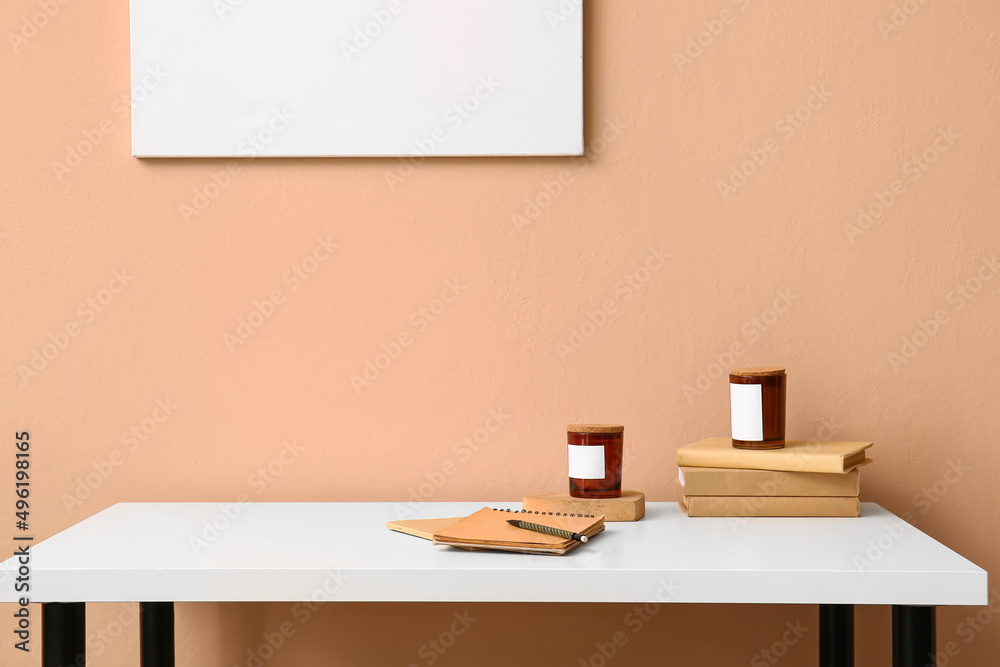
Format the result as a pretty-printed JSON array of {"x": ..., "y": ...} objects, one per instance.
[{"x": 558, "y": 532}]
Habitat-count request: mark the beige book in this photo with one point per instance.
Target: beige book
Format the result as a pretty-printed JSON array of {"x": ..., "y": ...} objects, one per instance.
[
  {"x": 796, "y": 456},
  {"x": 743, "y": 482},
  {"x": 771, "y": 506}
]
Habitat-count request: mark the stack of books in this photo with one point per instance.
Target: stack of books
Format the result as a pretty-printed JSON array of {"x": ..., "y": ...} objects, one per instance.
[{"x": 805, "y": 478}]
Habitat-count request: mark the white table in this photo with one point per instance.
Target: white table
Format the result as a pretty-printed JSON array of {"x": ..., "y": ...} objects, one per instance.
[{"x": 160, "y": 553}]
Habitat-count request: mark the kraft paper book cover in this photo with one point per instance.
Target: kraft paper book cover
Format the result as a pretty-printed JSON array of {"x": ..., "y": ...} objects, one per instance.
[
  {"x": 770, "y": 506},
  {"x": 796, "y": 456},
  {"x": 748, "y": 482}
]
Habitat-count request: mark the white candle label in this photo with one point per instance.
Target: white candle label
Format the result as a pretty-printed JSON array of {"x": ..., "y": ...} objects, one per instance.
[
  {"x": 586, "y": 461},
  {"x": 748, "y": 412}
]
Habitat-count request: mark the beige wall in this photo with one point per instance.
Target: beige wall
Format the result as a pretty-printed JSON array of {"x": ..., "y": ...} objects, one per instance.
[{"x": 851, "y": 292}]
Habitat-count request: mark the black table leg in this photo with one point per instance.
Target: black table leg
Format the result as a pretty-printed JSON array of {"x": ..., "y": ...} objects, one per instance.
[
  {"x": 914, "y": 643},
  {"x": 64, "y": 634},
  {"x": 836, "y": 635},
  {"x": 156, "y": 634}
]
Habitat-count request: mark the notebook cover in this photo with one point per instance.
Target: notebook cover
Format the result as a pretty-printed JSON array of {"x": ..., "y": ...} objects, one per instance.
[
  {"x": 796, "y": 456},
  {"x": 743, "y": 482},
  {"x": 488, "y": 529},
  {"x": 770, "y": 506},
  {"x": 424, "y": 528}
]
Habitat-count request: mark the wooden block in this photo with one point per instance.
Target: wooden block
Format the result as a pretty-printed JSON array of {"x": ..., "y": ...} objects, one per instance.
[{"x": 631, "y": 506}]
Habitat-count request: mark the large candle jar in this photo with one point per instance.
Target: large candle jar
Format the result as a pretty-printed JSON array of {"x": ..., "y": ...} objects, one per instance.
[
  {"x": 595, "y": 460},
  {"x": 757, "y": 399}
]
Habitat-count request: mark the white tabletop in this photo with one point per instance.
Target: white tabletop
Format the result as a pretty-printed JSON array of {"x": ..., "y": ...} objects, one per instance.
[{"x": 342, "y": 551}]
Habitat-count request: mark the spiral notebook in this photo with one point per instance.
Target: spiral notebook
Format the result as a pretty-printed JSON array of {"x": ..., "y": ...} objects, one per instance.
[{"x": 488, "y": 529}]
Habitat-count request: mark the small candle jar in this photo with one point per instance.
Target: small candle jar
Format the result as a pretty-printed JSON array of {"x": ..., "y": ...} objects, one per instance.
[
  {"x": 595, "y": 460},
  {"x": 757, "y": 399}
]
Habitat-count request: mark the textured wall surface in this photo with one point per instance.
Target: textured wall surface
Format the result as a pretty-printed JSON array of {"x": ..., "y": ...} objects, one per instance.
[{"x": 808, "y": 184}]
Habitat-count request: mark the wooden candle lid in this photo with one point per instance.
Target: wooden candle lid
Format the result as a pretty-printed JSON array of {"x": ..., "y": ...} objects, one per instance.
[
  {"x": 595, "y": 428},
  {"x": 762, "y": 371}
]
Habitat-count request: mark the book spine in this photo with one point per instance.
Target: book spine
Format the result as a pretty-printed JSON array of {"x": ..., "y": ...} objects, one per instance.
[
  {"x": 771, "y": 506},
  {"x": 746, "y": 482}
]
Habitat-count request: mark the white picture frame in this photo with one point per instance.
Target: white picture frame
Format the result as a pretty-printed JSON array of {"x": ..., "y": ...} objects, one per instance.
[{"x": 329, "y": 78}]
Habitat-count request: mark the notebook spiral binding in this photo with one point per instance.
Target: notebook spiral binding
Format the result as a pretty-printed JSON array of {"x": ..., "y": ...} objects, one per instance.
[{"x": 588, "y": 516}]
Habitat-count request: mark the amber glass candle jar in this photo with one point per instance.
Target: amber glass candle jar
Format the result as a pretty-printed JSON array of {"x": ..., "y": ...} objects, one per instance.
[
  {"x": 595, "y": 460},
  {"x": 757, "y": 399}
]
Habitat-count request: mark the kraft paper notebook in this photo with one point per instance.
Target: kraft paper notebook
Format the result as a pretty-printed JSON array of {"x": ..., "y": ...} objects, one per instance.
[{"x": 488, "y": 529}]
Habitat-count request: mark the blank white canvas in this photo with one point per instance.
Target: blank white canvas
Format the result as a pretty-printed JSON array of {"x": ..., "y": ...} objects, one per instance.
[{"x": 279, "y": 78}]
